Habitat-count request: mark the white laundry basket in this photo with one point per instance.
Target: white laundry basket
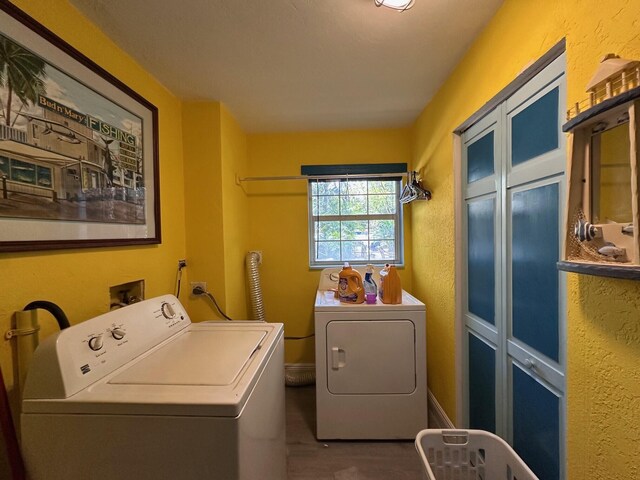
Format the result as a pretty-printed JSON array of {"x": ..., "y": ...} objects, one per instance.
[{"x": 469, "y": 455}]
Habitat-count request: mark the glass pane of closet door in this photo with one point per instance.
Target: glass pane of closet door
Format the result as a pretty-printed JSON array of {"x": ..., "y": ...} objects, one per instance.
[
  {"x": 535, "y": 278},
  {"x": 481, "y": 258},
  {"x": 482, "y": 384},
  {"x": 536, "y": 424},
  {"x": 535, "y": 129},
  {"x": 480, "y": 158}
]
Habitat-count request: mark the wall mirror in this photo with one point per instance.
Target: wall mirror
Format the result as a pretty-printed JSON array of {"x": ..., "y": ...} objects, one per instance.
[{"x": 611, "y": 176}]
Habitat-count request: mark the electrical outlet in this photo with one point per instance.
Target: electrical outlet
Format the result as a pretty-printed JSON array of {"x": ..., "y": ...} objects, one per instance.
[{"x": 202, "y": 285}]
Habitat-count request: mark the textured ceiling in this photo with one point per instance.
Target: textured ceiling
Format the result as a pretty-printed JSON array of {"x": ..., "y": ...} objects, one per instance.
[{"x": 290, "y": 65}]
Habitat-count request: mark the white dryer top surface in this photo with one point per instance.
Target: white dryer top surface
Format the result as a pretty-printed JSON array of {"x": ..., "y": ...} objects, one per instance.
[{"x": 327, "y": 302}]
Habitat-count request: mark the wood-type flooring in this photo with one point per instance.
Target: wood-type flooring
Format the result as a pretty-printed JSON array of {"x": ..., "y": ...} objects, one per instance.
[{"x": 310, "y": 459}]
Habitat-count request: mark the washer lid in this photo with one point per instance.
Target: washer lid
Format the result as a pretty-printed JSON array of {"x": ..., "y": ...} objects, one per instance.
[{"x": 199, "y": 357}]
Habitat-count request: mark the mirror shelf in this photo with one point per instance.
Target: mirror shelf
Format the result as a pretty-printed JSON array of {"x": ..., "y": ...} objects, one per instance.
[{"x": 603, "y": 210}]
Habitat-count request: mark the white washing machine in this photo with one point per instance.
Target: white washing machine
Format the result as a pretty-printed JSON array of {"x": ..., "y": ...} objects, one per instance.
[
  {"x": 371, "y": 366},
  {"x": 141, "y": 392}
]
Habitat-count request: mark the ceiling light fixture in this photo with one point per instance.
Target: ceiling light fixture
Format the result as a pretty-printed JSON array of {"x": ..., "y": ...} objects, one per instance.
[{"x": 400, "y": 5}]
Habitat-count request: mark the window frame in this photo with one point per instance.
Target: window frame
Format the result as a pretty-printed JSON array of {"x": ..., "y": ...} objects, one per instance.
[{"x": 314, "y": 263}]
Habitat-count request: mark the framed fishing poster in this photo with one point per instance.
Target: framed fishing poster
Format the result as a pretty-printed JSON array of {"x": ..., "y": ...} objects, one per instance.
[{"x": 78, "y": 148}]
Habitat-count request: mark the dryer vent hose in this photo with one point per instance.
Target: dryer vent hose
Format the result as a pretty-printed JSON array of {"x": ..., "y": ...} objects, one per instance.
[
  {"x": 292, "y": 377},
  {"x": 252, "y": 260},
  {"x": 299, "y": 378}
]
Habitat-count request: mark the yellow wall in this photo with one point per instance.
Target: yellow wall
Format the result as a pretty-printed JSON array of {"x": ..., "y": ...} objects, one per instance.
[
  {"x": 217, "y": 213},
  {"x": 236, "y": 214},
  {"x": 603, "y": 319},
  {"x": 79, "y": 280},
  {"x": 210, "y": 220},
  {"x": 203, "y": 205},
  {"x": 279, "y": 217}
]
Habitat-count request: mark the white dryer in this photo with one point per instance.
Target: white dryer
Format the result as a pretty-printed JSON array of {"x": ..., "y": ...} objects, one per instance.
[
  {"x": 371, "y": 367},
  {"x": 141, "y": 392}
]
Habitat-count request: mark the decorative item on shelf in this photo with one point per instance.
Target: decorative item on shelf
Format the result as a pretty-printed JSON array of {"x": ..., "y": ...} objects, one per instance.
[
  {"x": 399, "y": 5},
  {"x": 610, "y": 250},
  {"x": 584, "y": 231},
  {"x": 603, "y": 204},
  {"x": 414, "y": 190},
  {"x": 628, "y": 229}
]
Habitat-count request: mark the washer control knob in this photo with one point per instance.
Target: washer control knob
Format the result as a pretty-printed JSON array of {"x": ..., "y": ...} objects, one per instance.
[
  {"x": 95, "y": 343},
  {"x": 168, "y": 311},
  {"x": 117, "y": 333}
]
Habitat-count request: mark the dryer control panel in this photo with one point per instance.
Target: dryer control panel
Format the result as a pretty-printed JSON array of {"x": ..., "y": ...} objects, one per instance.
[{"x": 76, "y": 357}]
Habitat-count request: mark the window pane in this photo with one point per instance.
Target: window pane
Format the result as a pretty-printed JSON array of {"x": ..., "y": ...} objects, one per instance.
[
  {"x": 365, "y": 220},
  {"x": 382, "y": 204},
  {"x": 328, "y": 188},
  {"x": 44, "y": 176},
  {"x": 382, "y": 186},
  {"x": 354, "y": 250},
  {"x": 328, "y": 230},
  {"x": 327, "y": 251},
  {"x": 353, "y": 187},
  {"x": 23, "y": 172},
  {"x": 382, "y": 229},
  {"x": 354, "y": 205},
  {"x": 4, "y": 166},
  {"x": 355, "y": 230},
  {"x": 383, "y": 249},
  {"x": 326, "y": 206}
]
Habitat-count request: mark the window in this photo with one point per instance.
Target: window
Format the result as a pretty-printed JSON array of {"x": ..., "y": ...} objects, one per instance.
[{"x": 355, "y": 220}]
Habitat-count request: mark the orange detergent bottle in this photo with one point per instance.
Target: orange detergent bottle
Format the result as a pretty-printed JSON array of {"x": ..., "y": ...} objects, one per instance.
[
  {"x": 390, "y": 289},
  {"x": 350, "y": 288}
]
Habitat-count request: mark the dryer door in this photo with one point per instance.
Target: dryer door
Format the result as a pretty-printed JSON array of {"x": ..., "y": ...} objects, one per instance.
[{"x": 371, "y": 357}]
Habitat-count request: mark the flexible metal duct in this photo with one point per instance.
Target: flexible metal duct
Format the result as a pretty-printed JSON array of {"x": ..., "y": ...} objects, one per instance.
[
  {"x": 252, "y": 260},
  {"x": 294, "y": 377},
  {"x": 302, "y": 376}
]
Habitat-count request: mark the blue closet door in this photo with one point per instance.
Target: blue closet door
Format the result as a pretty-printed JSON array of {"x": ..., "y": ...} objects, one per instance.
[
  {"x": 513, "y": 298},
  {"x": 534, "y": 286}
]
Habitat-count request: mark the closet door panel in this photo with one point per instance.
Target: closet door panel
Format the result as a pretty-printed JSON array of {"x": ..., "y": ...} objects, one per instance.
[
  {"x": 535, "y": 278},
  {"x": 536, "y": 424},
  {"x": 480, "y": 162},
  {"x": 534, "y": 130},
  {"x": 482, "y": 384},
  {"x": 481, "y": 259}
]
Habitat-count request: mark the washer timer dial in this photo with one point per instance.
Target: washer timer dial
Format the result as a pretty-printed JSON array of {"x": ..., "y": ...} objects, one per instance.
[
  {"x": 95, "y": 343},
  {"x": 168, "y": 311},
  {"x": 117, "y": 333}
]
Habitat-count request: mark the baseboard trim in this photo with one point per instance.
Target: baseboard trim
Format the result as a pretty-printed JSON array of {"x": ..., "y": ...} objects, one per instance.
[{"x": 437, "y": 416}]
